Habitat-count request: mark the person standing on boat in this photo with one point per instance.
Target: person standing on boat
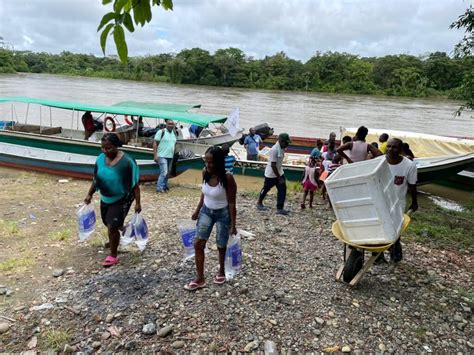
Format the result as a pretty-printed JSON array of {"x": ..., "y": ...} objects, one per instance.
[
  {"x": 316, "y": 152},
  {"x": 404, "y": 174},
  {"x": 88, "y": 123},
  {"x": 116, "y": 177},
  {"x": 163, "y": 152},
  {"x": 252, "y": 144},
  {"x": 274, "y": 174},
  {"x": 359, "y": 149}
]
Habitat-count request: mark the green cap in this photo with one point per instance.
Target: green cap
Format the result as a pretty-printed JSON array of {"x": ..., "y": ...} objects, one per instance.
[{"x": 284, "y": 137}]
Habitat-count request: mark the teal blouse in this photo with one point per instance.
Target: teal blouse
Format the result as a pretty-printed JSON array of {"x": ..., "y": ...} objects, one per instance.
[{"x": 115, "y": 182}]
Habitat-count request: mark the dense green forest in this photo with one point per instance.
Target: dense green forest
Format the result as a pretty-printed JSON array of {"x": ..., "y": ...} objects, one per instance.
[{"x": 436, "y": 74}]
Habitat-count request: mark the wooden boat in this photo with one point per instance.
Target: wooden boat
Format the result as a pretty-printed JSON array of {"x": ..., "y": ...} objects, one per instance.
[
  {"x": 71, "y": 164},
  {"x": 63, "y": 151}
]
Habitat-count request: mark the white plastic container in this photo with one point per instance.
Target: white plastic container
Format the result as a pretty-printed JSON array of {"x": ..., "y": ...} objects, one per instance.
[{"x": 365, "y": 202}]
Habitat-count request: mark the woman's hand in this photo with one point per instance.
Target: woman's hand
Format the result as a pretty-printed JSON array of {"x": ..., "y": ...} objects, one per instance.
[
  {"x": 195, "y": 215},
  {"x": 233, "y": 230},
  {"x": 88, "y": 199},
  {"x": 138, "y": 207}
]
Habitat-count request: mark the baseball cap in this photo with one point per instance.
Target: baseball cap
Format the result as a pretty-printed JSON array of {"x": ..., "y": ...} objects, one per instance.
[{"x": 284, "y": 137}]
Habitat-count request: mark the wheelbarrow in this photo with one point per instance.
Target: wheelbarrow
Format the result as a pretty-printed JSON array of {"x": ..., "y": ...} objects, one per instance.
[{"x": 354, "y": 267}]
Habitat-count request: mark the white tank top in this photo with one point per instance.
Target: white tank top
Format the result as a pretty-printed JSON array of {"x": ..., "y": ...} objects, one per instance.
[
  {"x": 358, "y": 151},
  {"x": 215, "y": 197}
]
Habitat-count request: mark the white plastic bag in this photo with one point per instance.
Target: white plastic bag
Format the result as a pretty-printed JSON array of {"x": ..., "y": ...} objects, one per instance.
[
  {"x": 187, "y": 233},
  {"x": 233, "y": 257},
  {"x": 135, "y": 230},
  {"x": 85, "y": 221}
]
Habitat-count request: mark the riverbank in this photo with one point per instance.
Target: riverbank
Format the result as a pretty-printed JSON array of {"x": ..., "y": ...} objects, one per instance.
[{"x": 286, "y": 292}]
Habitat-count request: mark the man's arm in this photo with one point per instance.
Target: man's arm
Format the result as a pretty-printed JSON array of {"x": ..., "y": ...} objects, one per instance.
[
  {"x": 414, "y": 197},
  {"x": 155, "y": 150},
  {"x": 342, "y": 148},
  {"x": 374, "y": 151}
]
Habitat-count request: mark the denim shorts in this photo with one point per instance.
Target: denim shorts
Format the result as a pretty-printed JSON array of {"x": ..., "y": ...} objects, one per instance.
[{"x": 207, "y": 219}]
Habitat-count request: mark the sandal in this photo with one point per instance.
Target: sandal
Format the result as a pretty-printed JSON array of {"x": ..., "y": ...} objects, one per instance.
[
  {"x": 219, "y": 280},
  {"x": 193, "y": 286},
  {"x": 110, "y": 261}
]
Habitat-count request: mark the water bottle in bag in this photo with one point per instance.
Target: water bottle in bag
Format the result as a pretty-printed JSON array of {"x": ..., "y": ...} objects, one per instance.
[
  {"x": 233, "y": 257},
  {"x": 187, "y": 233},
  {"x": 85, "y": 221},
  {"x": 141, "y": 231}
]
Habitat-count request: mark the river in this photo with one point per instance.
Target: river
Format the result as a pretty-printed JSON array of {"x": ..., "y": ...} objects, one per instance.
[{"x": 298, "y": 113}]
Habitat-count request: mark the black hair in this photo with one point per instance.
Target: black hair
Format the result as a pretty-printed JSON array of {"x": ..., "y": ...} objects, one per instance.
[
  {"x": 362, "y": 132},
  {"x": 399, "y": 141},
  {"x": 375, "y": 144},
  {"x": 225, "y": 147},
  {"x": 113, "y": 139},
  {"x": 346, "y": 139},
  {"x": 407, "y": 151},
  {"x": 384, "y": 136},
  {"x": 219, "y": 166}
]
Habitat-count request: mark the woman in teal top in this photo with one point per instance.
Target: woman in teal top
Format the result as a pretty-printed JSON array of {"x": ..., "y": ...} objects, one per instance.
[{"x": 116, "y": 177}]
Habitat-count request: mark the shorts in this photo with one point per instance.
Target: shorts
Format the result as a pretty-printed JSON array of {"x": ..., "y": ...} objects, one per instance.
[
  {"x": 309, "y": 186},
  {"x": 207, "y": 219},
  {"x": 113, "y": 214}
]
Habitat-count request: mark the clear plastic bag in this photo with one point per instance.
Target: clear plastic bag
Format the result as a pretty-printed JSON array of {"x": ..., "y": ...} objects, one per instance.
[
  {"x": 135, "y": 230},
  {"x": 233, "y": 256},
  {"x": 85, "y": 221},
  {"x": 187, "y": 233}
]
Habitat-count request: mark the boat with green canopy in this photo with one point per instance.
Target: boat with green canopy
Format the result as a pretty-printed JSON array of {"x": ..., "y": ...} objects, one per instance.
[{"x": 45, "y": 142}]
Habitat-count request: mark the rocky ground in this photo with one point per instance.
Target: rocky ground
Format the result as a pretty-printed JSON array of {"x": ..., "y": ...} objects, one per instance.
[{"x": 55, "y": 295}]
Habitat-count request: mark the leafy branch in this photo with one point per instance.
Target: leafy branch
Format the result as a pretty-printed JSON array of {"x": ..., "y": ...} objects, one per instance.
[{"x": 126, "y": 14}]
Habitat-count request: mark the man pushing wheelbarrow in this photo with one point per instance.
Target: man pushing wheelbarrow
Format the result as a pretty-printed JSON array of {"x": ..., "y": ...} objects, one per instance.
[{"x": 369, "y": 200}]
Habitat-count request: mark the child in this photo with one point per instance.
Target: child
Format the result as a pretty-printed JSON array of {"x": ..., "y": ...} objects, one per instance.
[
  {"x": 310, "y": 184},
  {"x": 336, "y": 163}
]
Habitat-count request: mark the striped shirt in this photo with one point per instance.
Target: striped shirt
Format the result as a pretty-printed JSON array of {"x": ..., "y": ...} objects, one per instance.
[{"x": 229, "y": 163}]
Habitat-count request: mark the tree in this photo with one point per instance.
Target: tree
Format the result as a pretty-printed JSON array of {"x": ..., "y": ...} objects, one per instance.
[
  {"x": 121, "y": 17},
  {"x": 465, "y": 48}
]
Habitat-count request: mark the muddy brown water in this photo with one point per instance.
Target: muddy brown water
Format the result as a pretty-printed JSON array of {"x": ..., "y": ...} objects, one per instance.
[{"x": 298, "y": 113}]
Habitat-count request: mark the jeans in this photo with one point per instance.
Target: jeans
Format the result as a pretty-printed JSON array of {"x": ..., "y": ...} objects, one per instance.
[
  {"x": 268, "y": 184},
  {"x": 207, "y": 219},
  {"x": 165, "y": 165}
]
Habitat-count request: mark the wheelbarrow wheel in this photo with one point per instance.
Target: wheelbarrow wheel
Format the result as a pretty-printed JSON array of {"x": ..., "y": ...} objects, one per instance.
[{"x": 354, "y": 263}]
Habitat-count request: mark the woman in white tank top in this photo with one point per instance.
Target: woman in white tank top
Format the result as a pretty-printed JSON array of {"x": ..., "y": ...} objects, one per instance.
[
  {"x": 216, "y": 207},
  {"x": 358, "y": 148}
]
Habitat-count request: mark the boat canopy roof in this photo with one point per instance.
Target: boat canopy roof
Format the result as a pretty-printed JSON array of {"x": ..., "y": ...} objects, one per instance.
[
  {"x": 157, "y": 106},
  {"x": 149, "y": 110}
]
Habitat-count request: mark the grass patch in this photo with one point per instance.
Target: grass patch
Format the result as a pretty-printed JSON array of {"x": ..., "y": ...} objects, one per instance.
[
  {"x": 468, "y": 294},
  {"x": 420, "y": 331},
  {"x": 55, "y": 339},
  {"x": 16, "y": 263},
  {"x": 9, "y": 228},
  {"x": 442, "y": 228},
  {"x": 62, "y": 235}
]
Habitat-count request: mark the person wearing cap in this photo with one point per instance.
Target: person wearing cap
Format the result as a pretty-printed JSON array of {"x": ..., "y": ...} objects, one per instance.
[{"x": 274, "y": 174}]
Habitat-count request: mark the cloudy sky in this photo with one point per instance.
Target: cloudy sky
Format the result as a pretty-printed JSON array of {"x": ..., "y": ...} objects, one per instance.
[{"x": 258, "y": 27}]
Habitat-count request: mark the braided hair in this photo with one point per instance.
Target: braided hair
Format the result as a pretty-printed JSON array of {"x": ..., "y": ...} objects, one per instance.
[{"x": 218, "y": 156}]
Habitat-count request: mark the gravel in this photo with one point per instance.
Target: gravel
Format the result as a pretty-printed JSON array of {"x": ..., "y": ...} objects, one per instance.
[{"x": 285, "y": 298}]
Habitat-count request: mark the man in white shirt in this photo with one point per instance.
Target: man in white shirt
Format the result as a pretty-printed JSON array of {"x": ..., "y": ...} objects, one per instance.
[
  {"x": 404, "y": 174},
  {"x": 274, "y": 174}
]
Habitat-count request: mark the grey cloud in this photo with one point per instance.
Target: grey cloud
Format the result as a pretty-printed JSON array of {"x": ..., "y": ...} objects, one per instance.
[{"x": 258, "y": 27}]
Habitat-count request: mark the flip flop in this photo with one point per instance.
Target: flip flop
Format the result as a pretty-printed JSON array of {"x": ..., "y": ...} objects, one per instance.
[
  {"x": 193, "y": 286},
  {"x": 219, "y": 280},
  {"x": 110, "y": 261}
]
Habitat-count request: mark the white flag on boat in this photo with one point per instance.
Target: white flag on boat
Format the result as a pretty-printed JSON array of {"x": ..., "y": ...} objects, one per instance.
[{"x": 232, "y": 122}]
